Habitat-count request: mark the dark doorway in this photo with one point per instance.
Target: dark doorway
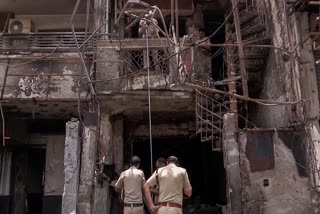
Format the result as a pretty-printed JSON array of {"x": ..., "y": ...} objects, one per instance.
[
  {"x": 205, "y": 167},
  {"x": 27, "y": 188}
]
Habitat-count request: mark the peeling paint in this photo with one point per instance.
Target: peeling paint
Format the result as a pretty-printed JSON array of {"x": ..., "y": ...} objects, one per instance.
[
  {"x": 32, "y": 86},
  {"x": 141, "y": 82}
]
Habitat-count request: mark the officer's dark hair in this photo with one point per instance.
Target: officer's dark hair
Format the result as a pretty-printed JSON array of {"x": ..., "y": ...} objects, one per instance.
[
  {"x": 162, "y": 160},
  {"x": 135, "y": 160},
  {"x": 173, "y": 159}
]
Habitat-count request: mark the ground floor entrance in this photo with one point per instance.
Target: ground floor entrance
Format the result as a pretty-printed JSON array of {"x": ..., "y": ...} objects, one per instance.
[
  {"x": 24, "y": 192},
  {"x": 32, "y": 169},
  {"x": 204, "y": 166}
]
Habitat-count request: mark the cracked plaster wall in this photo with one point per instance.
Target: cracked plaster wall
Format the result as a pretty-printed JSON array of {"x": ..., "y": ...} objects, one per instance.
[
  {"x": 63, "y": 84},
  {"x": 277, "y": 84},
  {"x": 279, "y": 187}
]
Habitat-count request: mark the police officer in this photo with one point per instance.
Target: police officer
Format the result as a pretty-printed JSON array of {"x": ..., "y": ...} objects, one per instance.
[
  {"x": 130, "y": 184},
  {"x": 173, "y": 182},
  {"x": 161, "y": 162}
]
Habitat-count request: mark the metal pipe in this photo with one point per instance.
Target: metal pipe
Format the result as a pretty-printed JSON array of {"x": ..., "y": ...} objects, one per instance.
[
  {"x": 125, "y": 7},
  {"x": 162, "y": 20},
  {"x": 107, "y": 16},
  {"x": 314, "y": 2},
  {"x": 87, "y": 19},
  {"x": 87, "y": 22},
  {"x": 244, "y": 74},
  {"x": 3, "y": 127},
  {"x": 172, "y": 14},
  {"x": 41, "y": 99},
  {"x": 79, "y": 52},
  {"x": 91, "y": 35},
  {"x": 115, "y": 9},
  {"x": 247, "y": 46},
  {"x": 137, "y": 18},
  {"x": 149, "y": 105},
  {"x": 249, "y": 99},
  {"x": 177, "y": 19},
  {"x": 44, "y": 75},
  {"x": 231, "y": 71},
  {"x": 21, "y": 57},
  {"x": 5, "y": 79}
]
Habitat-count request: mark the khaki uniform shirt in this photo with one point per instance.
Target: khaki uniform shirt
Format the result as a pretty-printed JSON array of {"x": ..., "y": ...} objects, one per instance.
[
  {"x": 172, "y": 181},
  {"x": 131, "y": 182}
]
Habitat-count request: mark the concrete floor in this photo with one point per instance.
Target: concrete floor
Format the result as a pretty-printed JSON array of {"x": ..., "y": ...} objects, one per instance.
[{"x": 203, "y": 210}]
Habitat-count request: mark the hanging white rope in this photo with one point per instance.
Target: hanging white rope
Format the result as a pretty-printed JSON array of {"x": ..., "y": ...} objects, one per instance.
[{"x": 149, "y": 102}]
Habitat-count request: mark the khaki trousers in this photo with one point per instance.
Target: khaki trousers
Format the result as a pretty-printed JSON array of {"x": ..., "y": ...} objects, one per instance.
[
  {"x": 133, "y": 210},
  {"x": 169, "y": 210}
]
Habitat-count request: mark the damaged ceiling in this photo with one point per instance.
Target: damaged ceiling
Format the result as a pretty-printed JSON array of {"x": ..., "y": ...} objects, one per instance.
[{"x": 43, "y": 110}]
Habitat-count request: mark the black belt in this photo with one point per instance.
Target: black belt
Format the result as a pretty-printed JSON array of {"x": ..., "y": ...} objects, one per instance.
[
  {"x": 169, "y": 204},
  {"x": 133, "y": 205}
]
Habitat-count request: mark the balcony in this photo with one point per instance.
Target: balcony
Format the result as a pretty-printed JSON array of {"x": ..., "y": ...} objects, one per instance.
[
  {"x": 44, "y": 66},
  {"x": 48, "y": 65},
  {"x": 123, "y": 65}
]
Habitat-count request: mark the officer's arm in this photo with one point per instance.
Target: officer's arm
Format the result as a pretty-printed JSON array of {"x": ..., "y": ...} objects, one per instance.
[
  {"x": 147, "y": 194},
  {"x": 187, "y": 189},
  {"x": 119, "y": 184},
  {"x": 118, "y": 187},
  {"x": 143, "y": 181},
  {"x": 188, "y": 193}
]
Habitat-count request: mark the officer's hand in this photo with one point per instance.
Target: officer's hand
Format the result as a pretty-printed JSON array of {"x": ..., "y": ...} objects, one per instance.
[{"x": 154, "y": 209}]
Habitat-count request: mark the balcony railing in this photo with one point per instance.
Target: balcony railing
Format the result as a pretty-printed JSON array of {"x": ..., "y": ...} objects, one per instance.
[
  {"x": 138, "y": 60},
  {"x": 45, "y": 42},
  {"x": 123, "y": 64}
]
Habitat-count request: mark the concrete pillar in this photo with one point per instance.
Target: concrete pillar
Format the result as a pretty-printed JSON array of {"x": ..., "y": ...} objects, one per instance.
[
  {"x": 102, "y": 198},
  {"x": 88, "y": 163},
  {"x": 71, "y": 167},
  {"x": 232, "y": 162},
  {"x": 99, "y": 15},
  {"x": 106, "y": 136},
  {"x": 118, "y": 145}
]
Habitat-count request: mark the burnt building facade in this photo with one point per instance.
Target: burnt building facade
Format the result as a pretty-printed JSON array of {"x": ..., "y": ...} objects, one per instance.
[{"x": 81, "y": 92}]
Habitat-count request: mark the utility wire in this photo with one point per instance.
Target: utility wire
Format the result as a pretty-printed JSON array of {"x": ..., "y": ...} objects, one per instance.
[
  {"x": 223, "y": 23},
  {"x": 149, "y": 102}
]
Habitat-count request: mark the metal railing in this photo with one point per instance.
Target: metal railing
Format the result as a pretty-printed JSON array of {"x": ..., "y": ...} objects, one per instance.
[
  {"x": 44, "y": 42},
  {"x": 209, "y": 119},
  {"x": 136, "y": 60}
]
